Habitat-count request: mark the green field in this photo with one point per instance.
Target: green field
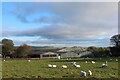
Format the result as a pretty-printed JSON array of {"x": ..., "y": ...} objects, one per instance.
[{"x": 40, "y": 69}]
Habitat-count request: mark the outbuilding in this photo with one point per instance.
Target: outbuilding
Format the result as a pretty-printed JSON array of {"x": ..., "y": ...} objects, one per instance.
[{"x": 49, "y": 55}]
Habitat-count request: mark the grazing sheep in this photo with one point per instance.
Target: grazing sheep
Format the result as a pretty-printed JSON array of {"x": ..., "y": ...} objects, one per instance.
[
  {"x": 29, "y": 60},
  {"x": 58, "y": 57},
  {"x": 3, "y": 60},
  {"x": 106, "y": 62},
  {"x": 64, "y": 66},
  {"x": 78, "y": 66},
  {"x": 104, "y": 65},
  {"x": 85, "y": 61},
  {"x": 67, "y": 59},
  {"x": 89, "y": 72},
  {"x": 93, "y": 62},
  {"x": 49, "y": 65},
  {"x": 83, "y": 73},
  {"x": 116, "y": 60},
  {"x": 54, "y": 66}
]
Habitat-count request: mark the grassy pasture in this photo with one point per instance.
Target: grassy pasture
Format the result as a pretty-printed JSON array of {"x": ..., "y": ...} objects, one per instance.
[{"x": 39, "y": 68}]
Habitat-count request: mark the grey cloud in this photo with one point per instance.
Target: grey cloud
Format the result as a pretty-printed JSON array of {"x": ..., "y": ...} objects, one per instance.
[
  {"x": 71, "y": 20},
  {"x": 55, "y": 31},
  {"x": 69, "y": 12},
  {"x": 63, "y": 43}
]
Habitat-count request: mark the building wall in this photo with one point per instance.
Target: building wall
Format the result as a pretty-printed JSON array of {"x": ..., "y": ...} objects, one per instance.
[{"x": 72, "y": 54}]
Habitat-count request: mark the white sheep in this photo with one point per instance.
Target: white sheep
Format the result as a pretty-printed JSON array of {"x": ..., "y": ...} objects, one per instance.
[
  {"x": 3, "y": 60},
  {"x": 49, "y": 65},
  {"x": 78, "y": 66},
  {"x": 104, "y": 65},
  {"x": 64, "y": 66},
  {"x": 93, "y": 62},
  {"x": 89, "y": 72},
  {"x": 116, "y": 60},
  {"x": 29, "y": 60},
  {"x": 67, "y": 59},
  {"x": 83, "y": 73},
  {"x": 74, "y": 62},
  {"x": 54, "y": 66},
  {"x": 106, "y": 62},
  {"x": 85, "y": 61},
  {"x": 58, "y": 57}
]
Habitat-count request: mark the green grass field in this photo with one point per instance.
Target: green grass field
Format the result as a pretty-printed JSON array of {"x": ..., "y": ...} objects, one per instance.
[{"x": 39, "y": 68}]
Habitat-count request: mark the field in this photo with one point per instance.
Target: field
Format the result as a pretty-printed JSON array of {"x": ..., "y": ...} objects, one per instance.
[{"x": 40, "y": 69}]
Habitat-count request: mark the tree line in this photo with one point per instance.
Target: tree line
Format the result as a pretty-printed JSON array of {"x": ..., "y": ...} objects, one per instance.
[
  {"x": 22, "y": 51},
  {"x": 8, "y": 49}
]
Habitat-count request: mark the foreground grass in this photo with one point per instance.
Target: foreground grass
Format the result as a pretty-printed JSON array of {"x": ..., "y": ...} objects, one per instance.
[{"x": 39, "y": 68}]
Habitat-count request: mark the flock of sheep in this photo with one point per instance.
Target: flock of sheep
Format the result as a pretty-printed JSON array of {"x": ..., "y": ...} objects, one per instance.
[{"x": 82, "y": 73}]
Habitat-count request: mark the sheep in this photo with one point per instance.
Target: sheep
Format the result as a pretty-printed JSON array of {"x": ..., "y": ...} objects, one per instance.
[
  {"x": 3, "y": 60},
  {"x": 29, "y": 60},
  {"x": 58, "y": 57},
  {"x": 74, "y": 62},
  {"x": 78, "y": 66},
  {"x": 54, "y": 66},
  {"x": 83, "y": 73},
  {"x": 49, "y": 65},
  {"x": 104, "y": 65},
  {"x": 106, "y": 62},
  {"x": 89, "y": 72},
  {"x": 67, "y": 59},
  {"x": 93, "y": 62},
  {"x": 64, "y": 66},
  {"x": 116, "y": 60},
  {"x": 85, "y": 61}
]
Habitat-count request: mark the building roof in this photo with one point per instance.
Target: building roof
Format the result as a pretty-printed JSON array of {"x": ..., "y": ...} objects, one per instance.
[{"x": 50, "y": 53}]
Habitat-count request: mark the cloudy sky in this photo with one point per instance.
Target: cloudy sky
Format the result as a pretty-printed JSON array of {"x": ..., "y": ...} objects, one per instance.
[{"x": 60, "y": 23}]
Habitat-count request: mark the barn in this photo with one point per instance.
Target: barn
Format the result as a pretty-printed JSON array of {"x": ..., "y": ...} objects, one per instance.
[
  {"x": 75, "y": 55},
  {"x": 49, "y": 55}
]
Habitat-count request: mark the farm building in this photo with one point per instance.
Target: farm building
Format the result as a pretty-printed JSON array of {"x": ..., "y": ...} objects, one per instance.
[
  {"x": 49, "y": 55},
  {"x": 73, "y": 54}
]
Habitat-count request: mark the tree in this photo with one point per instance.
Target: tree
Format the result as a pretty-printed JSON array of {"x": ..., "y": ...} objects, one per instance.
[
  {"x": 7, "y": 47},
  {"x": 91, "y": 48},
  {"x": 115, "y": 40},
  {"x": 99, "y": 51},
  {"x": 22, "y": 51}
]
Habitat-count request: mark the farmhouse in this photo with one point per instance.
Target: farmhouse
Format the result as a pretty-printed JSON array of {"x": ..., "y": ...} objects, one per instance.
[{"x": 49, "y": 55}]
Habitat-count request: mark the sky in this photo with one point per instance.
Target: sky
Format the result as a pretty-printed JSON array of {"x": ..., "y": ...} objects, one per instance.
[{"x": 62, "y": 24}]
